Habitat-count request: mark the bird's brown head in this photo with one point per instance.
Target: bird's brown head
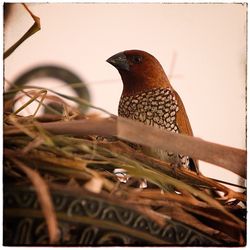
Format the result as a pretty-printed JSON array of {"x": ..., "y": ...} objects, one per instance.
[{"x": 139, "y": 71}]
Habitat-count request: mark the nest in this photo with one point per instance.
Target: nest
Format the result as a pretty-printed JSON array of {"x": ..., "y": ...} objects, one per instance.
[{"x": 81, "y": 154}]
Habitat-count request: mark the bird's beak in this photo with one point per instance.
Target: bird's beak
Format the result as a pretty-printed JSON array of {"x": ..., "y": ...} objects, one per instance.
[{"x": 119, "y": 61}]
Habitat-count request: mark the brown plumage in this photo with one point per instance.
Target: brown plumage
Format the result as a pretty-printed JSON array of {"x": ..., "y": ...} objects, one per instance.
[{"x": 148, "y": 97}]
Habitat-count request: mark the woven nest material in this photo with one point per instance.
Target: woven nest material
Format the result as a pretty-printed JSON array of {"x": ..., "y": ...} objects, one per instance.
[{"x": 59, "y": 174}]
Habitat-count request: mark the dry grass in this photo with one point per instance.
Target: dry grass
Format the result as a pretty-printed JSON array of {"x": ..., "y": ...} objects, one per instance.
[{"x": 81, "y": 148}]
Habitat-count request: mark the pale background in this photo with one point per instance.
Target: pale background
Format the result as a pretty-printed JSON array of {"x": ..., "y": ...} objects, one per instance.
[{"x": 202, "y": 48}]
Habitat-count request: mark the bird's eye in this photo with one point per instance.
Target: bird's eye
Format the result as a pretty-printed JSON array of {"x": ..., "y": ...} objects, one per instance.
[{"x": 136, "y": 59}]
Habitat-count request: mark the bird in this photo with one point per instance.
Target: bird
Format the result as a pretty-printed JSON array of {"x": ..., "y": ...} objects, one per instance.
[{"x": 148, "y": 97}]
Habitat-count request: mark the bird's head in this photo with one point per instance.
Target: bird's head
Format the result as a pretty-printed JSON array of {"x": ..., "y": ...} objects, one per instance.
[{"x": 139, "y": 71}]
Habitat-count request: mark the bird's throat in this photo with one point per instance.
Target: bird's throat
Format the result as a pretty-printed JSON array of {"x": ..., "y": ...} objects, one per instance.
[{"x": 135, "y": 86}]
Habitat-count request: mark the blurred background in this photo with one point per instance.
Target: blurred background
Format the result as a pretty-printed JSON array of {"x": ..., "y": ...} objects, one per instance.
[{"x": 202, "y": 48}]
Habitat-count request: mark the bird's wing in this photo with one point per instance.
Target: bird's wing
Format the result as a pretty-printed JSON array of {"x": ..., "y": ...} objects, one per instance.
[
  {"x": 182, "y": 118},
  {"x": 185, "y": 127}
]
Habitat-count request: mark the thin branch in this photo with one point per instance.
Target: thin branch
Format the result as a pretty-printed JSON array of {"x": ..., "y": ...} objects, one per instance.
[
  {"x": 229, "y": 158},
  {"x": 32, "y": 30}
]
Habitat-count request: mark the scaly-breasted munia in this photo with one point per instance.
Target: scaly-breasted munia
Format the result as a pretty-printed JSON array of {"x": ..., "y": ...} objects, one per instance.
[{"x": 148, "y": 97}]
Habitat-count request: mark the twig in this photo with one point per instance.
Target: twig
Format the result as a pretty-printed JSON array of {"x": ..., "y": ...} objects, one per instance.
[
  {"x": 33, "y": 29},
  {"x": 229, "y": 158}
]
